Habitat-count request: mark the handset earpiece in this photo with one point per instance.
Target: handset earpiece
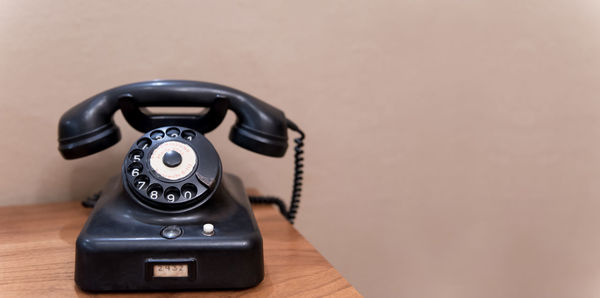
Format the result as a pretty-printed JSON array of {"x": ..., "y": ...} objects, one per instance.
[{"x": 88, "y": 127}]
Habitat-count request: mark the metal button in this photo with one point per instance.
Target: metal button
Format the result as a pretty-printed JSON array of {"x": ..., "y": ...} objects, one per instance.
[{"x": 171, "y": 232}]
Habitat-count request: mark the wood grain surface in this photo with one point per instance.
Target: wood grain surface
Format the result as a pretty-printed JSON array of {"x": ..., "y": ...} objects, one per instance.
[{"x": 37, "y": 254}]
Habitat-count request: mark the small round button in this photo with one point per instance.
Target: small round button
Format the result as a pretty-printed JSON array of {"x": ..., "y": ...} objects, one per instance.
[
  {"x": 172, "y": 159},
  {"x": 208, "y": 229},
  {"x": 171, "y": 232}
]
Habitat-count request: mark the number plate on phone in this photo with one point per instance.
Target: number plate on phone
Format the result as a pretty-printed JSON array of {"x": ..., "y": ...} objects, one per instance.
[{"x": 170, "y": 270}]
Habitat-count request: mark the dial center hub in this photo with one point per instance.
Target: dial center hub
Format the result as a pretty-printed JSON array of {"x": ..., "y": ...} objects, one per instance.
[{"x": 172, "y": 159}]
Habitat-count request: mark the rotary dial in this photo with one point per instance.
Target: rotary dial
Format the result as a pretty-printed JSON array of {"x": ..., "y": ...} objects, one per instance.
[{"x": 172, "y": 168}]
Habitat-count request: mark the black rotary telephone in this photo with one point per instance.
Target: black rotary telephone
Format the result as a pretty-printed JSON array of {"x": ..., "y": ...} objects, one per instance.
[{"x": 173, "y": 219}]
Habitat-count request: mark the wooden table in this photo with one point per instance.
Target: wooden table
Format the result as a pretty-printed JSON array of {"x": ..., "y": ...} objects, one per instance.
[{"x": 37, "y": 254}]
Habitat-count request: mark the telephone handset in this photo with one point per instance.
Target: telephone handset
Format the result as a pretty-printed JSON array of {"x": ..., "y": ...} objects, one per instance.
[
  {"x": 88, "y": 127},
  {"x": 173, "y": 206}
]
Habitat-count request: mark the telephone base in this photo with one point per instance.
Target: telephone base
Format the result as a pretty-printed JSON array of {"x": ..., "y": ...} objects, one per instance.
[{"x": 123, "y": 247}]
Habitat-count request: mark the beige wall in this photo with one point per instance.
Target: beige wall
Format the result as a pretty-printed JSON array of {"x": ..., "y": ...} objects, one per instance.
[{"x": 453, "y": 147}]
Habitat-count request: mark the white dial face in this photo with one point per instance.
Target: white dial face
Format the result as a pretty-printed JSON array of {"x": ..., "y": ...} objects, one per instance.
[{"x": 185, "y": 167}]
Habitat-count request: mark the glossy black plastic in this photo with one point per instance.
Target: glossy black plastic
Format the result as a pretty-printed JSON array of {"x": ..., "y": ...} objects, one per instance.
[
  {"x": 204, "y": 178},
  {"x": 122, "y": 240},
  {"x": 142, "y": 120},
  {"x": 88, "y": 127}
]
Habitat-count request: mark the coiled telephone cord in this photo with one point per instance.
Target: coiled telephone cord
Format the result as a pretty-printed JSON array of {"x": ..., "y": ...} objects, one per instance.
[{"x": 289, "y": 214}]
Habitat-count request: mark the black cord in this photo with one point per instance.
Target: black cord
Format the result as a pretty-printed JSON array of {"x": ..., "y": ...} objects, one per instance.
[
  {"x": 270, "y": 200},
  {"x": 290, "y": 214},
  {"x": 91, "y": 201},
  {"x": 298, "y": 172}
]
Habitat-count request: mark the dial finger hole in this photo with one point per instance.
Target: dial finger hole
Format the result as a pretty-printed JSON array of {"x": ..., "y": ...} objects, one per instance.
[
  {"x": 188, "y": 135},
  {"x": 154, "y": 191},
  {"x": 172, "y": 194},
  {"x": 135, "y": 169},
  {"x": 144, "y": 143},
  {"x": 188, "y": 191},
  {"x": 141, "y": 182},
  {"x": 157, "y": 135},
  {"x": 136, "y": 155},
  {"x": 173, "y": 132}
]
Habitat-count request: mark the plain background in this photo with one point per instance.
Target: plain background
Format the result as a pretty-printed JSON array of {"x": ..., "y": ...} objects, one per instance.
[{"x": 453, "y": 147}]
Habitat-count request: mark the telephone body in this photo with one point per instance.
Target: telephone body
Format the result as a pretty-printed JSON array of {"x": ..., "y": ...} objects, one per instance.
[{"x": 173, "y": 219}]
